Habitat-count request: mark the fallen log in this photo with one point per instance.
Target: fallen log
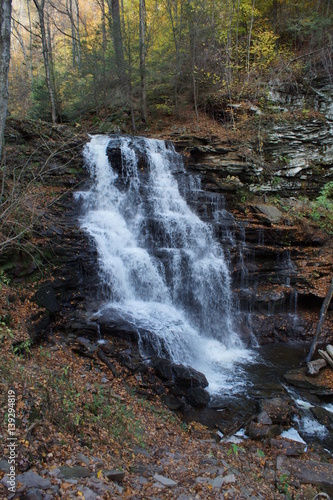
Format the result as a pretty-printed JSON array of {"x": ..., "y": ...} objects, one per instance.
[
  {"x": 329, "y": 349},
  {"x": 326, "y": 356},
  {"x": 313, "y": 367}
]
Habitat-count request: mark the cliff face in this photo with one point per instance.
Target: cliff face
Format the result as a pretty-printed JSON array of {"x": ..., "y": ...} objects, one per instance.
[{"x": 281, "y": 259}]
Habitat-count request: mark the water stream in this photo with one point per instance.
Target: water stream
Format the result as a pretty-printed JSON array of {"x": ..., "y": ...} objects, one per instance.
[{"x": 162, "y": 269}]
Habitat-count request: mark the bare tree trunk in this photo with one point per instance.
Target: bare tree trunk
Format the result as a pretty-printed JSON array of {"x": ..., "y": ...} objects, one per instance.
[
  {"x": 46, "y": 57},
  {"x": 5, "y": 24},
  {"x": 142, "y": 43},
  {"x": 118, "y": 42},
  {"x": 322, "y": 315},
  {"x": 249, "y": 41}
]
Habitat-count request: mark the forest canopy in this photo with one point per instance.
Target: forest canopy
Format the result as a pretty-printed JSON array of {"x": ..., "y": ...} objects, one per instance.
[{"x": 128, "y": 61}]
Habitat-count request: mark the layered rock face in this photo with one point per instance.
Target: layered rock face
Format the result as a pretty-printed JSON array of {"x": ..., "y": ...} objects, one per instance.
[{"x": 281, "y": 265}]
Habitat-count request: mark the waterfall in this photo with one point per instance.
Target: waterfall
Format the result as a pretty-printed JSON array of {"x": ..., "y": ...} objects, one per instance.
[{"x": 161, "y": 268}]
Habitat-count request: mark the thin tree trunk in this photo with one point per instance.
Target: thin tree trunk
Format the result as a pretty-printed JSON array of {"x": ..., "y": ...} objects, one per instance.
[
  {"x": 30, "y": 43},
  {"x": 322, "y": 316},
  {"x": 118, "y": 43},
  {"x": 46, "y": 57},
  {"x": 5, "y": 24},
  {"x": 142, "y": 43},
  {"x": 249, "y": 41}
]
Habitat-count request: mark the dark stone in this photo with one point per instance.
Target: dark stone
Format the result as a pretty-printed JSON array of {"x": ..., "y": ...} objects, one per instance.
[
  {"x": 163, "y": 368},
  {"x": 298, "y": 378},
  {"x": 291, "y": 448},
  {"x": 197, "y": 397},
  {"x": 260, "y": 431},
  {"x": 186, "y": 376},
  {"x": 173, "y": 403},
  {"x": 32, "y": 494},
  {"x": 114, "y": 475},
  {"x": 45, "y": 297},
  {"x": 77, "y": 471},
  {"x": 323, "y": 416},
  {"x": 279, "y": 410}
]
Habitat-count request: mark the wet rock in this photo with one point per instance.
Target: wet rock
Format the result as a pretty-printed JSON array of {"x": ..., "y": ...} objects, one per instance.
[
  {"x": 46, "y": 297},
  {"x": 197, "y": 397},
  {"x": 186, "y": 376},
  {"x": 163, "y": 368},
  {"x": 279, "y": 410},
  {"x": 323, "y": 416},
  {"x": 173, "y": 403},
  {"x": 298, "y": 378},
  {"x": 307, "y": 472}
]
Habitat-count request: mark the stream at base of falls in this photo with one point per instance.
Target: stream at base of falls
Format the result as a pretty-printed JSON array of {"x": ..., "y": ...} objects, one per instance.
[{"x": 163, "y": 271}]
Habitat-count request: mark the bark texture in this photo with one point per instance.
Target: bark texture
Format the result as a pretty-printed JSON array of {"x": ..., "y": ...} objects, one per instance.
[{"x": 5, "y": 25}]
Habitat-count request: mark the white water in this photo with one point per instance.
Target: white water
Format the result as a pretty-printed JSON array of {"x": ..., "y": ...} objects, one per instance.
[{"x": 161, "y": 268}]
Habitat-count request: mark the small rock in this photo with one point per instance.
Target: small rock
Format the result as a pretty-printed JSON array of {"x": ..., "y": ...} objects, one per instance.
[
  {"x": 32, "y": 494},
  {"x": 114, "y": 475},
  {"x": 263, "y": 418},
  {"x": 201, "y": 480},
  {"x": 229, "y": 479},
  {"x": 4, "y": 466},
  {"x": 217, "y": 482},
  {"x": 82, "y": 458},
  {"x": 260, "y": 431},
  {"x": 33, "y": 480},
  {"x": 88, "y": 493},
  {"x": 165, "y": 481},
  {"x": 76, "y": 471},
  {"x": 55, "y": 472}
]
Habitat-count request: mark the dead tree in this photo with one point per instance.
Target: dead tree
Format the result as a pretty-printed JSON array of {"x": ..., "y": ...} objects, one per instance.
[{"x": 322, "y": 316}]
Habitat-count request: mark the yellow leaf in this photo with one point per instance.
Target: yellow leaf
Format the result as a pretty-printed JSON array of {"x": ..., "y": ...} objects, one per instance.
[{"x": 99, "y": 474}]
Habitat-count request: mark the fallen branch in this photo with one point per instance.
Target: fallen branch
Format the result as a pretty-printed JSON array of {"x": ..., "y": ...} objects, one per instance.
[
  {"x": 313, "y": 367},
  {"x": 107, "y": 362}
]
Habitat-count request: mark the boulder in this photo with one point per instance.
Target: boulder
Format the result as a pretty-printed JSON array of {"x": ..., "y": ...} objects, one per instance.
[
  {"x": 185, "y": 376},
  {"x": 163, "y": 368},
  {"x": 307, "y": 472},
  {"x": 278, "y": 409},
  {"x": 268, "y": 212},
  {"x": 197, "y": 397},
  {"x": 258, "y": 431},
  {"x": 46, "y": 297}
]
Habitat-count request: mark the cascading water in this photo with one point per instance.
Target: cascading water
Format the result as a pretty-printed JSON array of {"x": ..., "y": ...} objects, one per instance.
[{"x": 162, "y": 269}]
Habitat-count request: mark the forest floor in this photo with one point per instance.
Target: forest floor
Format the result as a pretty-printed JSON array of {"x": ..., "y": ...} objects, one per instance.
[{"x": 83, "y": 432}]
